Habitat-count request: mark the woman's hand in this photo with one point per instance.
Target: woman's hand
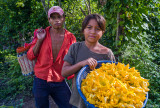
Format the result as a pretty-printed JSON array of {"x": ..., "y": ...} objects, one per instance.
[
  {"x": 69, "y": 69},
  {"x": 41, "y": 33},
  {"x": 91, "y": 62}
]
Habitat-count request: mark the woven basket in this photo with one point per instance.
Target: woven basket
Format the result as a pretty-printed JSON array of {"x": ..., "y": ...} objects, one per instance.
[
  {"x": 82, "y": 75},
  {"x": 27, "y": 66}
]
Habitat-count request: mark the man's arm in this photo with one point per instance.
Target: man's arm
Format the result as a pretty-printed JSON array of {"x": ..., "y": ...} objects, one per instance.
[
  {"x": 41, "y": 33},
  {"x": 37, "y": 47}
]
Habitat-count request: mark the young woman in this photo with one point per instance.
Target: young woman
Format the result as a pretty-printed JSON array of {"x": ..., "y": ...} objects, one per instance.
[{"x": 87, "y": 52}]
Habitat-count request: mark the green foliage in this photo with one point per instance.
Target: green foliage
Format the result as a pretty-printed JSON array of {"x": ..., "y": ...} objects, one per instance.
[
  {"x": 13, "y": 83},
  {"x": 3, "y": 106},
  {"x": 138, "y": 54},
  {"x": 20, "y": 17},
  {"x": 73, "y": 17}
]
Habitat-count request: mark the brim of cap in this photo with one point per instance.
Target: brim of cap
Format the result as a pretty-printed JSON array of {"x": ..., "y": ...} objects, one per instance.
[{"x": 56, "y": 12}]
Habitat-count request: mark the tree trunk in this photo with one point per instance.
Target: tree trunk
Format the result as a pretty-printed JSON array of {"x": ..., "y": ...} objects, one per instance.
[
  {"x": 118, "y": 33},
  {"x": 45, "y": 7},
  {"x": 59, "y": 1},
  {"x": 119, "y": 28},
  {"x": 88, "y": 6}
]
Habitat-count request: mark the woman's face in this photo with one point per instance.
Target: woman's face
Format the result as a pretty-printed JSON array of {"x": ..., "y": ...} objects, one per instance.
[{"x": 92, "y": 32}]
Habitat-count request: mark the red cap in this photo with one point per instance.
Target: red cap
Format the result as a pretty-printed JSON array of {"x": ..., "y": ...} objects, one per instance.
[{"x": 55, "y": 9}]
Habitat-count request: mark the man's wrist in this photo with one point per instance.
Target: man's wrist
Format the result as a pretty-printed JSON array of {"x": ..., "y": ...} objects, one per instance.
[{"x": 39, "y": 41}]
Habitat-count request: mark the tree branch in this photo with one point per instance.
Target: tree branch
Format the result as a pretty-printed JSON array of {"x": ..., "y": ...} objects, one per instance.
[
  {"x": 83, "y": 11},
  {"x": 48, "y": 6},
  {"x": 89, "y": 6},
  {"x": 117, "y": 33},
  {"x": 44, "y": 6},
  {"x": 59, "y": 1}
]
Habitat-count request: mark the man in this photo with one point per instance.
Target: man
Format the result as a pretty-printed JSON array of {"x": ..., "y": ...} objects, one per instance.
[{"x": 49, "y": 48}]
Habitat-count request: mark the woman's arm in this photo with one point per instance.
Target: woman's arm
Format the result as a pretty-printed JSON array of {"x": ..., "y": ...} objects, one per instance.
[{"x": 69, "y": 69}]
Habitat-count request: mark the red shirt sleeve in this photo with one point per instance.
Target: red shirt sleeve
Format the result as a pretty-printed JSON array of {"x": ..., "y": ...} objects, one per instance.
[
  {"x": 73, "y": 39},
  {"x": 30, "y": 53}
]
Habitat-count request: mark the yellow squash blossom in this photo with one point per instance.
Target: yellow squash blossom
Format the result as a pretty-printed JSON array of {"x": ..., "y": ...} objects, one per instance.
[{"x": 114, "y": 85}]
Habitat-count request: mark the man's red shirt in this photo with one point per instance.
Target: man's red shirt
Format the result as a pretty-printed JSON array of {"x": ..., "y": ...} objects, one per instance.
[{"x": 45, "y": 68}]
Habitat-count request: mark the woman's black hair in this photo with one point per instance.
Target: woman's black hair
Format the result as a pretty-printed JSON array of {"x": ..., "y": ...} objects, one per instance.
[{"x": 100, "y": 20}]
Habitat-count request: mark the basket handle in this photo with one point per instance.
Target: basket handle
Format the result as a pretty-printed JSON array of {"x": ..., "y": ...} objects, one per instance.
[{"x": 22, "y": 49}]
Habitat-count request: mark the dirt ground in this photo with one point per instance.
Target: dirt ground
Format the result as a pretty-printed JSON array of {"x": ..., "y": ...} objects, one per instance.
[{"x": 29, "y": 103}]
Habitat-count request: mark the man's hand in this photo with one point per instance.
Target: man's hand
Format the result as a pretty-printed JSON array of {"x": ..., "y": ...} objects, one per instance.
[
  {"x": 91, "y": 62},
  {"x": 41, "y": 33}
]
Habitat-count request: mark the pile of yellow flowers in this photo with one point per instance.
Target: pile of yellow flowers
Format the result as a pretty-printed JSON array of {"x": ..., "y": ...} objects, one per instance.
[{"x": 114, "y": 85}]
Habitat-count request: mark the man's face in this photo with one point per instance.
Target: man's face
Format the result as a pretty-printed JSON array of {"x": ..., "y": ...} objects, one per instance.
[{"x": 56, "y": 20}]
